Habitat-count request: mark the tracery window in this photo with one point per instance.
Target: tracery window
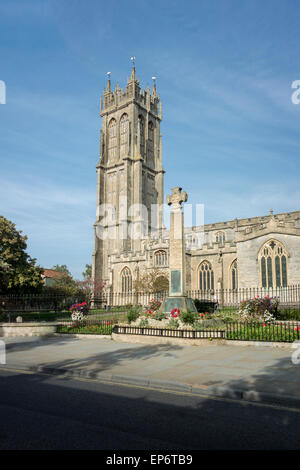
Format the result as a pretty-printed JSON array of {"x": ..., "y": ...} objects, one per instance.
[
  {"x": 126, "y": 280},
  {"x": 220, "y": 237},
  {"x": 112, "y": 140},
  {"x": 142, "y": 135},
  {"x": 150, "y": 142},
  {"x": 206, "y": 276},
  {"x": 234, "y": 274},
  {"x": 273, "y": 264},
  {"x": 160, "y": 258},
  {"x": 124, "y": 135}
]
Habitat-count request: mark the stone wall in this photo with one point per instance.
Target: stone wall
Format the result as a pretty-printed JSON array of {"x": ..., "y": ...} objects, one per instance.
[{"x": 27, "y": 329}]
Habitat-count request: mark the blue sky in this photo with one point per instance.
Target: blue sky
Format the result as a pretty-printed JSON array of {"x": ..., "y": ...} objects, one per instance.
[{"x": 230, "y": 131}]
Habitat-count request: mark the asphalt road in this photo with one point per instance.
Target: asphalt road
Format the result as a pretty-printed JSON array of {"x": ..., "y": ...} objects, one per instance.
[{"x": 46, "y": 412}]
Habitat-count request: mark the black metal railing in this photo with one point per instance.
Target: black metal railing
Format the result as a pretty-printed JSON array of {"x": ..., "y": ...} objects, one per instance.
[
  {"x": 86, "y": 326},
  {"x": 288, "y": 296},
  {"x": 24, "y": 303},
  {"x": 277, "y": 331},
  {"x": 242, "y": 331},
  {"x": 168, "y": 332}
]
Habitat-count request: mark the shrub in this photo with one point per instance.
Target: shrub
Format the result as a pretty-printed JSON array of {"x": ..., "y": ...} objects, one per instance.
[
  {"x": 264, "y": 308},
  {"x": 143, "y": 323},
  {"x": 204, "y": 305},
  {"x": 154, "y": 305},
  {"x": 198, "y": 325},
  {"x": 159, "y": 316},
  {"x": 148, "y": 313},
  {"x": 173, "y": 323},
  {"x": 211, "y": 323},
  {"x": 132, "y": 315},
  {"x": 287, "y": 314},
  {"x": 188, "y": 318}
]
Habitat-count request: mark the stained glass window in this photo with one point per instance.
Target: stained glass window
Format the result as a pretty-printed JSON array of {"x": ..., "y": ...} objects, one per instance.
[
  {"x": 234, "y": 275},
  {"x": 206, "y": 276},
  {"x": 273, "y": 264},
  {"x": 160, "y": 258},
  {"x": 126, "y": 280}
]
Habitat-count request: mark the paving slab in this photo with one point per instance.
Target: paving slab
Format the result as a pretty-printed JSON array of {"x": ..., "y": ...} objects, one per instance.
[{"x": 252, "y": 373}]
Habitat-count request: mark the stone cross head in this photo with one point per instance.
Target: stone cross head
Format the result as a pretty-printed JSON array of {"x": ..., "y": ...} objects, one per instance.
[{"x": 176, "y": 198}]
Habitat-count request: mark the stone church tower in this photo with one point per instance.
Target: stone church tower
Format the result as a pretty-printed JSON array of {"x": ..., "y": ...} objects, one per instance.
[
  {"x": 129, "y": 175},
  {"x": 260, "y": 252}
]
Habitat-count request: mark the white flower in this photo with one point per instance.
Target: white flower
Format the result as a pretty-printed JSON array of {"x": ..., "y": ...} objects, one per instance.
[{"x": 77, "y": 316}]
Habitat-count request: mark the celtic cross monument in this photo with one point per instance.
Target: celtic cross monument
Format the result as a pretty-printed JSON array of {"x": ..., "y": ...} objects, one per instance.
[
  {"x": 176, "y": 255},
  {"x": 177, "y": 294}
]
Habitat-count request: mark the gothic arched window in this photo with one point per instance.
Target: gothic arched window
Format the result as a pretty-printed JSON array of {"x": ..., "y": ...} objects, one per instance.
[
  {"x": 124, "y": 135},
  {"x": 142, "y": 135},
  {"x": 112, "y": 140},
  {"x": 206, "y": 276},
  {"x": 220, "y": 237},
  {"x": 160, "y": 258},
  {"x": 150, "y": 142},
  {"x": 126, "y": 280},
  {"x": 272, "y": 259},
  {"x": 234, "y": 274}
]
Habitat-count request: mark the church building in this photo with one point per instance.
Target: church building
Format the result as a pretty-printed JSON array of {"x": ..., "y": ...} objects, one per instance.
[{"x": 130, "y": 239}]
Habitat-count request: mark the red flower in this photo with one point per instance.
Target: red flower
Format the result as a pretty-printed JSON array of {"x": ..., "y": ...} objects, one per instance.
[
  {"x": 202, "y": 315},
  {"x": 175, "y": 312}
]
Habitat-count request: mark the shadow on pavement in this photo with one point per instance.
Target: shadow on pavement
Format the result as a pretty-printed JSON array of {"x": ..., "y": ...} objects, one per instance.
[{"x": 45, "y": 412}]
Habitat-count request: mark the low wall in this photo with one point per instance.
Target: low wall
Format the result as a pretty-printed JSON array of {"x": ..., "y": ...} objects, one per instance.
[
  {"x": 27, "y": 329},
  {"x": 164, "y": 340},
  {"x": 143, "y": 339}
]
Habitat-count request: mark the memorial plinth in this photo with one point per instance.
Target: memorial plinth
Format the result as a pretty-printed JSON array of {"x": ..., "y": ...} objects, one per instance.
[{"x": 177, "y": 294}]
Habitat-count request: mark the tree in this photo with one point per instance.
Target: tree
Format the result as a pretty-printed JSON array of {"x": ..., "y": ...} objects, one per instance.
[
  {"x": 61, "y": 269},
  {"x": 91, "y": 287},
  {"x": 65, "y": 284},
  {"x": 18, "y": 271},
  {"x": 154, "y": 280},
  {"x": 88, "y": 271}
]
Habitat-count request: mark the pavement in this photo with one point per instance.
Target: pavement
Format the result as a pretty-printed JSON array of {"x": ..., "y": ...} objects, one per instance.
[{"x": 252, "y": 373}]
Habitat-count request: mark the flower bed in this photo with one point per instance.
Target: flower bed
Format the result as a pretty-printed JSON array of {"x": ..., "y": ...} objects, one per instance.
[
  {"x": 272, "y": 332},
  {"x": 104, "y": 328},
  {"x": 263, "y": 308}
]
